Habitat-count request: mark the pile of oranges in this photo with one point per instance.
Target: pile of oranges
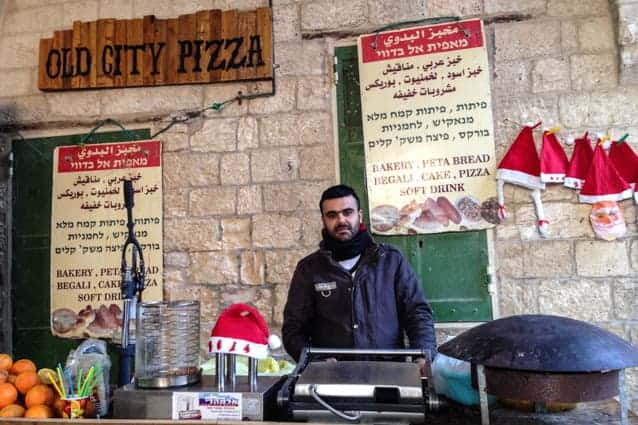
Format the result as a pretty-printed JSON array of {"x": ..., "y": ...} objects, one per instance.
[{"x": 25, "y": 391}]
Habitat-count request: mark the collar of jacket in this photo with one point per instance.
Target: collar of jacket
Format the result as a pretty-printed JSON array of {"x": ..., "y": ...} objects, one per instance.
[{"x": 371, "y": 254}]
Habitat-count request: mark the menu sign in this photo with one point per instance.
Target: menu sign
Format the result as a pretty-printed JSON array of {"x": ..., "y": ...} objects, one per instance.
[
  {"x": 428, "y": 130},
  {"x": 89, "y": 228}
]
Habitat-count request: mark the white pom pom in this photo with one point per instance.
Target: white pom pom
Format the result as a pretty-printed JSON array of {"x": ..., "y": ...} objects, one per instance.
[
  {"x": 274, "y": 342},
  {"x": 543, "y": 228},
  {"x": 569, "y": 141},
  {"x": 607, "y": 144}
]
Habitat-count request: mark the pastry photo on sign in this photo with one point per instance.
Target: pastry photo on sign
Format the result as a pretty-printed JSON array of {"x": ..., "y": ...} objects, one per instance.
[{"x": 103, "y": 322}]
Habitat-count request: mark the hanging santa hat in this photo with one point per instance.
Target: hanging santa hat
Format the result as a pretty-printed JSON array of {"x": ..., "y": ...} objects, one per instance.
[
  {"x": 603, "y": 182},
  {"x": 522, "y": 166},
  {"x": 553, "y": 159},
  {"x": 579, "y": 162},
  {"x": 240, "y": 329},
  {"x": 626, "y": 162}
]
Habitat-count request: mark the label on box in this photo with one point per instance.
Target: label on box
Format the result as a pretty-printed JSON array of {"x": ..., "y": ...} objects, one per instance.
[{"x": 207, "y": 405}]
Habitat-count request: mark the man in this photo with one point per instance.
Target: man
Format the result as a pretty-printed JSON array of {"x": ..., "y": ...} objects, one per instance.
[{"x": 353, "y": 292}]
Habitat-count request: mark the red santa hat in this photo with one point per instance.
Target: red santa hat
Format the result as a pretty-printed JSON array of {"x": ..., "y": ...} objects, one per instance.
[
  {"x": 626, "y": 162},
  {"x": 603, "y": 182},
  {"x": 579, "y": 162},
  {"x": 553, "y": 159},
  {"x": 522, "y": 166},
  {"x": 240, "y": 329}
]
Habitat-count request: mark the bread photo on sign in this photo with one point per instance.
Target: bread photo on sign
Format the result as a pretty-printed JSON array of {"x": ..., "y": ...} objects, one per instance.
[
  {"x": 88, "y": 322},
  {"x": 384, "y": 217}
]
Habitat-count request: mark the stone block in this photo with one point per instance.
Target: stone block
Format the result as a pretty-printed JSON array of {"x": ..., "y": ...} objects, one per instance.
[
  {"x": 389, "y": 11},
  {"x": 507, "y": 231},
  {"x": 317, "y": 162},
  {"x": 629, "y": 65},
  {"x": 276, "y": 231},
  {"x": 514, "y": 41},
  {"x": 282, "y": 101},
  {"x": 214, "y": 268},
  {"x": 616, "y": 107},
  {"x": 212, "y": 201},
  {"x": 235, "y": 233},
  {"x": 547, "y": 259},
  {"x": 534, "y": 7},
  {"x": 602, "y": 258},
  {"x": 586, "y": 300},
  {"x": 222, "y": 92},
  {"x": 627, "y": 24},
  {"x": 85, "y": 10},
  {"x": 37, "y": 19},
  {"x": 25, "y": 110},
  {"x": 260, "y": 298},
  {"x": 511, "y": 78},
  {"x": 577, "y": 7},
  {"x": 181, "y": 291},
  {"x": 173, "y": 278},
  {"x": 185, "y": 169},
  {"x": 517, "y": 296},
  {"x": 323, "y": 15},
  {"x": 633, "y": 254},
  {"x": 280, "y": 265},
  {"x": 84, "y": 104},
  {"x": 311, "y": 226},
  {"x": 189, "y": 235},
  {"x": 235, "y": 168},
  {"x": 294, "y": 196},
  {"x": 286, "y": 23},
  {"x": 247, "y": 135},
  {"x": 550, "y": 75},
  {"x": 509, "y": 259},
  {"x": 161, "y": 100},
  {"x": 175, "y": 203},
  {"x": 596, "y": 35},
  {"x": 313, "y": 93},
  {"x": 280, "y": 298},
  {"x": 594, "y": 72},
  {"x": 116, "y": 9},
  {"x": 569, "y": 36},
  {"x": 566, "y": 220},
  {"x": 462, "y": 8},
  {"x": 302, "y": 58},
  {"x": 176, "y": 260},
  {"x": 531, "y": 108},
  {"x": 173, "y": 141},
  {"x": 295, "y": 129},
  {"x": 274, "y": 165},
  {"x": 216, "y": 135},
  {"x": 315, "y": 128},
  {"x": 210, "y": 307},
  {"x": 252, "y": 268},
  {"x": 249, "y": 200},
  {"x": 19, "y": 51},
  {"x": 625, "y": 298},
  {"x": 17, "y": 82}
]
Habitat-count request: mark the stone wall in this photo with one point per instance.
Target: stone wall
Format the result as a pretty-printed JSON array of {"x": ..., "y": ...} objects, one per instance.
[{"x": 241, "y": 185}]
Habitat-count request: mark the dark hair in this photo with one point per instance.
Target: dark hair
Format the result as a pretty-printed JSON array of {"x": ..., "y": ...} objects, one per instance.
[{"x": 338, "y": 191}]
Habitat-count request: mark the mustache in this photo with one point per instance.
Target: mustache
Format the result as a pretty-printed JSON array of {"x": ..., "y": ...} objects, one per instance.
[{"x": 343, "y": 226}]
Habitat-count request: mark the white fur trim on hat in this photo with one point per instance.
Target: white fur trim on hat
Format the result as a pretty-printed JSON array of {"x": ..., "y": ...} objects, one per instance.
[
  {"x": 237, "y": 346},
  {"x": 573, "y": 182},
  {"x": 590, "y": 199},
  {"x": 520, "y": 178},
  {"x": 274, "y": 342}
]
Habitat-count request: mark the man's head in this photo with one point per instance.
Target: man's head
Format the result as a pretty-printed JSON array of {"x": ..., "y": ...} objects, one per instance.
[{"x": 340, "y": 212}]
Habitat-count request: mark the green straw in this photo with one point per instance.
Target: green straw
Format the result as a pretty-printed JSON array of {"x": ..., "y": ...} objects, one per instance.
[
  {"x": 623, "y": 138},
  {"x": 79, "y": 380},
  {"x": 88, "y": 378},
  {"x": 61, "y": 382}
]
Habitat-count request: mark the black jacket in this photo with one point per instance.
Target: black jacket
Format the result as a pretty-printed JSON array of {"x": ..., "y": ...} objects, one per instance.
[{"x": 327, "y": 307}]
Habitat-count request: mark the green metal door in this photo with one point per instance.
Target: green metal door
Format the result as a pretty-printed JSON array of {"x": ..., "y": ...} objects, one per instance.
[
  {"x": 31, "y": 232},
  {"x": 452, "y": 267}
]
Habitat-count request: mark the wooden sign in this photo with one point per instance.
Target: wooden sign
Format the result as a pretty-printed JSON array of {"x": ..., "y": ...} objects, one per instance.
[{"x": 203, "y": 47}]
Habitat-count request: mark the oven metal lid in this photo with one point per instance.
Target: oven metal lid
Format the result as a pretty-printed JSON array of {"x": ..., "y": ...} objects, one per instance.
[{"x": 545, "y": 343}]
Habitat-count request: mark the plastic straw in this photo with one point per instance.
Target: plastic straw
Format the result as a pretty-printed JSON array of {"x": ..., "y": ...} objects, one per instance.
[
  {"x": 61, "y": 381},
  {"x": 79, "y": 380},
  {"x": 89, "y": 377},
  {"x": 55, "y": 384}
]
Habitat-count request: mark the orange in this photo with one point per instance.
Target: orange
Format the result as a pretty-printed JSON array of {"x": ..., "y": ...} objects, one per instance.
[
  {"x": 39, "y": 411},
  {"x": 23, "y": 365},
  {"x": 12, "y": 411},
  {"x": 5, "y": 361},
  {"x": 39, "y": 394},
  {"x": 4, "y": 376},
  {"x": 25, "y": 381},
  {"x": 58, "y": 406},
  {"x": 8, "y": 394}
]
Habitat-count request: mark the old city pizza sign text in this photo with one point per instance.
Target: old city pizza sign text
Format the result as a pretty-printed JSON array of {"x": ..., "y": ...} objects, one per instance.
[{"x": 203, "y": 47}]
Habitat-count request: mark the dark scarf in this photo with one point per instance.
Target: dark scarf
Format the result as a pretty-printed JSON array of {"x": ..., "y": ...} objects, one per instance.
[{"x": 343, "y": 250}]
